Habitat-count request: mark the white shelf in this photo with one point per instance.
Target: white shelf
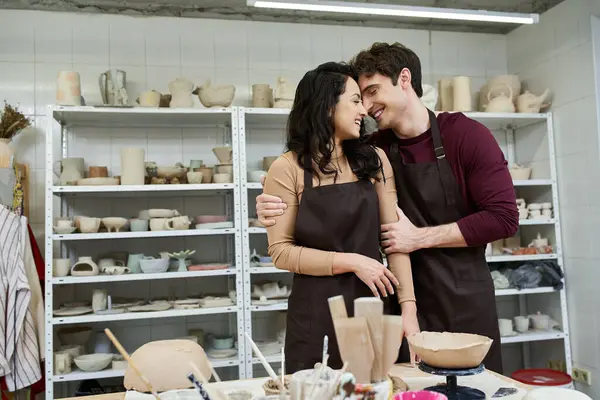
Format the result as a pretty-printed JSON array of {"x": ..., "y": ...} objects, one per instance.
[
  {"x": 514, "y": 292},
  {"x": 510, "y": 258},
  {"x": 254, "y": 185},
  {"x": 525, "y": 222},
  {"x": 274, "y": 307},
  {"x": 534, "y": 182},
  {"x": 129, "y": 316},
  {"x": 70, "y": 280},
  {"x": 140, "y": 116},
  {"x": 146, "y": 234},
  {"x": 78, "y": 375},
  {"x": 257, "y": 230},
  {"x": 273, "y": 358},
  {"x": 267, "y": 270},
  {"x": 533, "y": 336},
  {"x": 163, "y": 189}
]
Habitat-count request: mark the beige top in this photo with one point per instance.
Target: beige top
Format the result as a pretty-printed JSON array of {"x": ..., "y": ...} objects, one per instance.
[{"x": 286, "y": 181}]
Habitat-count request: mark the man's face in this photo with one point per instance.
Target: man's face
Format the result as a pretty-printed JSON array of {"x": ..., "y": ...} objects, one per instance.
[{"x": 382, "y": 99}]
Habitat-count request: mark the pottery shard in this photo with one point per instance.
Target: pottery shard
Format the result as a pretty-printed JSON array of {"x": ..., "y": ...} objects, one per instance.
[{"x": 166, "y": 364}]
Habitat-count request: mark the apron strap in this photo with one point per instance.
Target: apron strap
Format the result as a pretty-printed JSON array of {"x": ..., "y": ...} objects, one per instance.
[
  {"x": 446, "y": 175},
  {"x": 307, "y": 171}
]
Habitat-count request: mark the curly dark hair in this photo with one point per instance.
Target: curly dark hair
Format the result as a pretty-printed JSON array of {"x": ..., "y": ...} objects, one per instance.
[
  {"x": 310, "y": 126},
  {"x": 389, "y": 60}
]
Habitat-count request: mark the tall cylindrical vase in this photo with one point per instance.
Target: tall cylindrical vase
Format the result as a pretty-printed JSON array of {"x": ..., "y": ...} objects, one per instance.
[
  {"x": 6, "y": 153},
  {"x": 461, "y": 90},
  {"x": 68, "y": 89},
  {"x": 132, "y": 166}
]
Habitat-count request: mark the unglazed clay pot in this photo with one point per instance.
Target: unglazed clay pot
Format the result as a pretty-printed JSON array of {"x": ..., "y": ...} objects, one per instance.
[{"x": 68, "y": 89}]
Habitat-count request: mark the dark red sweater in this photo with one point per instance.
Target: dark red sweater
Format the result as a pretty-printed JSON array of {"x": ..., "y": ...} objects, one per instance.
[{"x": 480, "y": 170}]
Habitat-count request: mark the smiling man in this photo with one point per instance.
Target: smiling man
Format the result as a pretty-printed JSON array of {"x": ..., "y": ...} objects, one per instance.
[{"x": 455, "y": 195}]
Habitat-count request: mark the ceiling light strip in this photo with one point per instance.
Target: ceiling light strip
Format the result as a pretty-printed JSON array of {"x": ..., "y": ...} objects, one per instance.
[{"x": 397, "y": 11}]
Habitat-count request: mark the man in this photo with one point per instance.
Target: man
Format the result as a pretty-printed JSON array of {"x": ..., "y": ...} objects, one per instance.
[{"x": 455, "y": 195}]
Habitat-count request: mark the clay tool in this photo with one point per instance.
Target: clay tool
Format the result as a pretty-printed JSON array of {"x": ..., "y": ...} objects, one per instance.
[
  {"x": 371, "y": 308},
  {"x": 355, "y": 346},
  {"x": 212, "y": 392},
  {"x": 198, "y": 386},
  {"x": 265, "y": 363},
  {"x": 503, "y": 392},
  {"x": 135, "y": 369}
]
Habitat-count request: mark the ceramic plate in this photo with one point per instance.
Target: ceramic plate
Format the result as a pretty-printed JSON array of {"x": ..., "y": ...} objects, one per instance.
[
  {"x": 97, "y": 181},
  {"x": 225, "y": 353},
  {"x": 215, "y": 225},
  {"x": 151, "y": 307},
  {"x": 65, "y": 312}
]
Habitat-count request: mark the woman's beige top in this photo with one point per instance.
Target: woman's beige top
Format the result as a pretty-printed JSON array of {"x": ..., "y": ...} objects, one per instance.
[{"x": 286, "y": 181}]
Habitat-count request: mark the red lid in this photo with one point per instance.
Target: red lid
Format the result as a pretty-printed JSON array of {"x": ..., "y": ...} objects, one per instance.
[{"x": 541, "y": 377}]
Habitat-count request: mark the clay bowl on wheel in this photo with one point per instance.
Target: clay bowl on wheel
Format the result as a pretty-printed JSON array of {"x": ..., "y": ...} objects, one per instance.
[{"x": 450, "y": 350}]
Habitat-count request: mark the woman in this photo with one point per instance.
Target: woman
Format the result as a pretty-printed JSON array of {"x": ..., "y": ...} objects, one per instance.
[{"x": 339, "y": 191}]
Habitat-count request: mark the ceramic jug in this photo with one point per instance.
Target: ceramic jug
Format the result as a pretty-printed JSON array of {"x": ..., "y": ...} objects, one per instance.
[
  {"x": 133, "y": 263},
  {"x": 530, "y": 103},
  {"x": 113, "y": 87},
  {"x": 181, "y": 93},
  {"x": 71, "y": 170},
  {"x": 501, "y": 103}
]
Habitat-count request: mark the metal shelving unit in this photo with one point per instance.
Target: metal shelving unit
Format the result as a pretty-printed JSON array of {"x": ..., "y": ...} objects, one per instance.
[
  {"x": 64, "y": 122},
  {"x": 510, "y": 123}
]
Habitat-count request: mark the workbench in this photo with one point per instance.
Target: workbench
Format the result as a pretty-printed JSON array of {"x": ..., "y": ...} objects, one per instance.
[{"x": 415, "y": 379}]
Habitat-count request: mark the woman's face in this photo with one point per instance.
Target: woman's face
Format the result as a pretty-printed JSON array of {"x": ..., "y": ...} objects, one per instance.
[{"x": 349, "y": 113}]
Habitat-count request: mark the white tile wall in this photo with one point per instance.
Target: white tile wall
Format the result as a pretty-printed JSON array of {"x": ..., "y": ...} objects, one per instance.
[
  {"x": 558, "y": 54},
  {"x": 153, "y": 51}
]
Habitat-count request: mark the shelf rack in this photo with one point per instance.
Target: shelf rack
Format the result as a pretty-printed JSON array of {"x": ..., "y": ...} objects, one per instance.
[
  {"x": 237, "y": 119},
  {"x": 509, "y": 123},
  {"x": 63, "y": 122}
]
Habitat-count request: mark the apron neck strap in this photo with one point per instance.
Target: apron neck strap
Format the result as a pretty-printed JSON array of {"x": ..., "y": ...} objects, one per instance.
[
  {"x": 307, "y": 171},
  {"x": 438, "y": 147}
]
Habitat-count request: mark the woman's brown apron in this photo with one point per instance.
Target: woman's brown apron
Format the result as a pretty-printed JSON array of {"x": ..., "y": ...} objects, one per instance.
[
  {"x": 453, "y": 286},
  {"x": 341, "y": 218}
]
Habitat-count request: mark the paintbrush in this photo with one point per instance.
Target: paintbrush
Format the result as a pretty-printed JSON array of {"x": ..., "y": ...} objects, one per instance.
[
  {"x": 125, "y": 355},
  {"x": 198, "y": 386},
  {"x": 265, "y": 363}
]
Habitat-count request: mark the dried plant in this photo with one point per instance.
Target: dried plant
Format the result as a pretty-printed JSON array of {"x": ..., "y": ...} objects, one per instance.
[{"x": 12, "y": 121}]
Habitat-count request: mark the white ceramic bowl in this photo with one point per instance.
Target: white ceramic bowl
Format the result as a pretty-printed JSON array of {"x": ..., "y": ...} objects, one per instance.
[
  {"x": 520, "y": 174},
  {"x": 93, "y": 362},
  {"x": 254, "y": 176},
  {"x": 222, "y": 178},
  {"x": 154, "y": 265}
]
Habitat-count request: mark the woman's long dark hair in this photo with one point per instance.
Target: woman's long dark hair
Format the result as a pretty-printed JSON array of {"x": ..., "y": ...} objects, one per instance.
[{"x": 310, "y": 127}]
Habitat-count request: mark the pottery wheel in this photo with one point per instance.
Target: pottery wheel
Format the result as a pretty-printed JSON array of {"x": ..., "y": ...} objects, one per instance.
[{"x": 451, "y": 389}]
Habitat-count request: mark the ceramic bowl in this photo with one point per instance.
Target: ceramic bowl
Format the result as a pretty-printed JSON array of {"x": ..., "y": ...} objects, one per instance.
[
  {"x": 520, "y": 174},
  {"x": 222, "y": 343},
  {"x": 195, "y": 178},
  {"x": 75, "y": 335},
  {"x": 204, "y": 219},
  {"x": 254, "y": 176},
  {"x": 170, "y": 172},
  {"x": 223, "y": 154},
  {"x": 154, "y": 265},
  {"x": 450, "y": 350},
  {"x": 93, "y": 362},
  {"x": 222, "y": 178},
  {"x": 115, "y": 224}
]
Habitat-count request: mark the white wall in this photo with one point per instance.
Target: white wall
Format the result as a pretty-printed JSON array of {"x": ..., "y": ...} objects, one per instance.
[
  {"x": 36, "y": 45},
  {"x": 557, "y": 54}
]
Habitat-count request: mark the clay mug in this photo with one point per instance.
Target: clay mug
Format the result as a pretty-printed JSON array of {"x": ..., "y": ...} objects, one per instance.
[
  {"x": 178, "y": 223},
  {"x": 159, "y": 224},
  {"x": 64, "y": 223},
  {"x": 521, "y": 324},
  {"x": 97, "y": 172},
  {"x": 99, "y": 300},
  {"x": 506, "y": 327},
  {"x": 138, "y": 225},
  {"x": 62, "y": 362},
  {"x": 194, "y": 177},
  {"x": 89, "y": 224},
  {"x": 61, "y": 267},
  {"x": 149, "y": 98},
  {"x": 109, "y": 262},
  {"x": 547, "y": 213},
  {"x": 133, "y": 263}
]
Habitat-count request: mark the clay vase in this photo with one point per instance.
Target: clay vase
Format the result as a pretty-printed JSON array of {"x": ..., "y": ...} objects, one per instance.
[
  {"x": 461, "y": 94},
  {"x": 133, "y": 168},
  {"x": 68, "y": 89},
  {"x": 262, "y": 95},
  {"x": 445, "y": 94},
  {"x": 6, "y": 154},
  {"x": 71, "y": 170}
]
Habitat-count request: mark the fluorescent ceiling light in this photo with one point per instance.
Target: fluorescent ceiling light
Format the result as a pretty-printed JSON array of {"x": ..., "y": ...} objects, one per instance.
[{"x": 397, "y": 11}]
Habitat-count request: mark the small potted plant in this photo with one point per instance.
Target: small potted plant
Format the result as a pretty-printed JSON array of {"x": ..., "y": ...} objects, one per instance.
[{"x": 12, "y": 121}]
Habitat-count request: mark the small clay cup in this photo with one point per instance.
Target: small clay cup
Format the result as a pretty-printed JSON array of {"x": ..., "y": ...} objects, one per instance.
[{"x": 97, "y": 172}]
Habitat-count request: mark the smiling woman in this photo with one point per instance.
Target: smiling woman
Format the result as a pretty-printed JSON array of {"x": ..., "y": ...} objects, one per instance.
[{"x": 338, "y": 191}]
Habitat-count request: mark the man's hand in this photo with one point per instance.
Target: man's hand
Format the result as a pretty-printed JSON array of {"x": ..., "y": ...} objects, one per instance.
[
  {"x": 268, "y": 206},
  {"x": 401, "y": 236}
]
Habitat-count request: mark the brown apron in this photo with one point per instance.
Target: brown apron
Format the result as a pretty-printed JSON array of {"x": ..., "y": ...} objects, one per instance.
[
  {"x": 453, "y": 286},
  {"x": 338, "y": 217}
]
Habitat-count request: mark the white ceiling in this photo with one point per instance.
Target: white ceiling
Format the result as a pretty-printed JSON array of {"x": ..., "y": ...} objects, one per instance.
[{"x": 237, "y": 9}]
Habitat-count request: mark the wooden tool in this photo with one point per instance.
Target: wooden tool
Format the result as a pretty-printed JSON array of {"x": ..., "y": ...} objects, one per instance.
[
  {"x": 393, "y": 332},
  {"x": 125, "y": 355},
  {"x": 337, "y": 307},
  {"x": 213, "y": 393},
  {"x": 355, "y": 346},
  {"x": 371, "y": 308}
]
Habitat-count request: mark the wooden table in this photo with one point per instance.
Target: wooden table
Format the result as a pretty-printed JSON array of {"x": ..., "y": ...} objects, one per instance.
[{"x": 415, "y": 378}]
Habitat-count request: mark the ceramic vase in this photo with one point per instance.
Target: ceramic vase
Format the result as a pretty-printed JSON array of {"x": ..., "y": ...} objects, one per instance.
[
  {"x": 461, "y": 94},
  {"x": 71, "y": 170},
  {"x": 6, "y": 154},
  {"x": 445, "y": 94},
  {"x": 262, "y": 95},
  {"x": 133, "y": 167},
  {"x": 68, "y": 89}
]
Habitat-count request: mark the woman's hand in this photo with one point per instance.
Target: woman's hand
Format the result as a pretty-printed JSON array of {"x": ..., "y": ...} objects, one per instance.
[
  {"x": 373, "y": 273},
  {"x": 410, "y": 323}
]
